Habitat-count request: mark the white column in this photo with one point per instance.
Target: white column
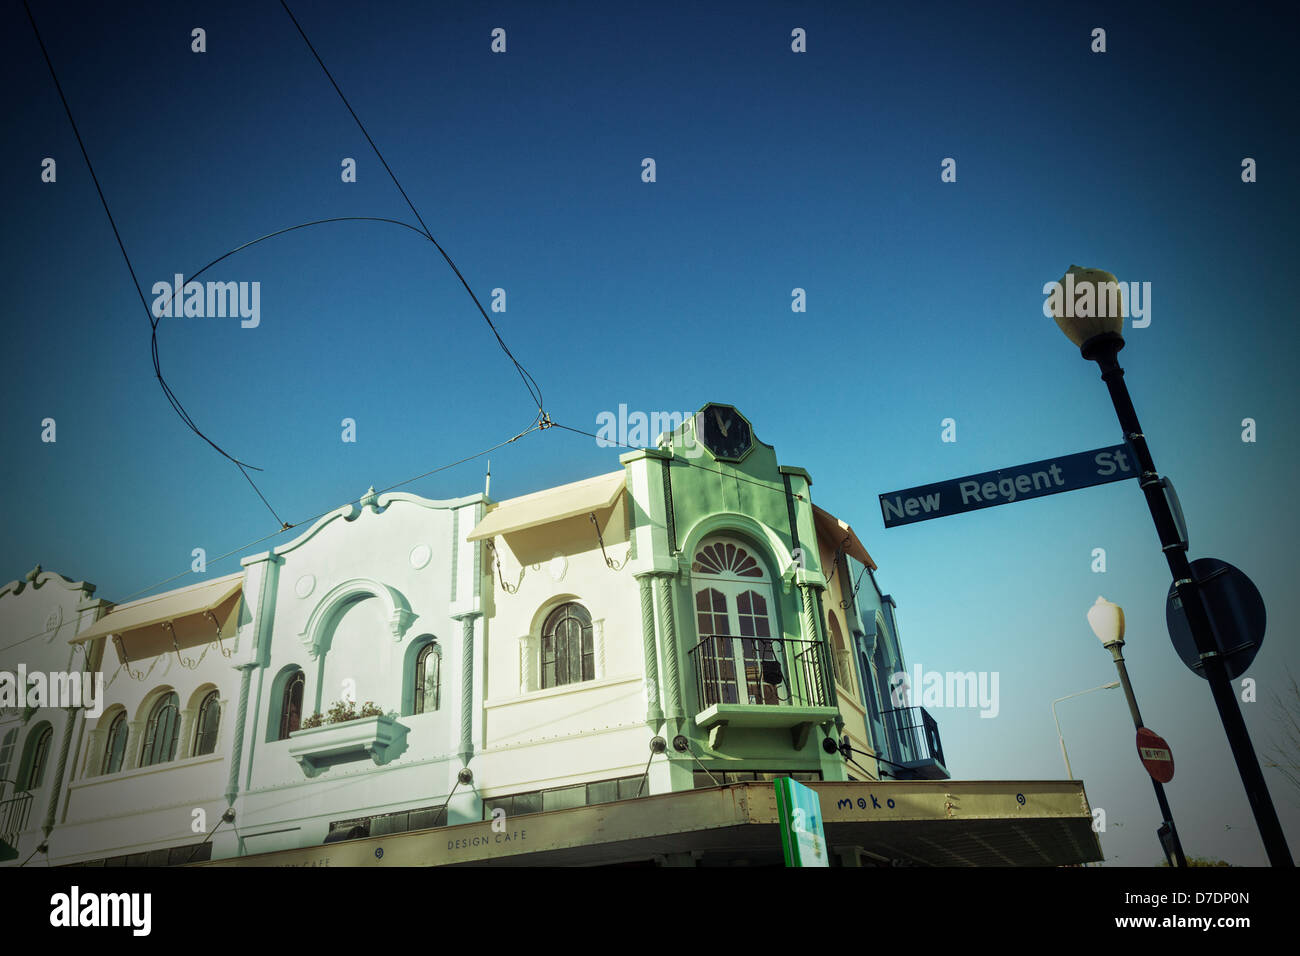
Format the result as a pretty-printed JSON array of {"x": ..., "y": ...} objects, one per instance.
[
  {"x": 94, "y": 761},
  {"x": 527, "y": 663},
  {"x": 598, "y": 641},
  {"x": 184, "y": 746},
  {"x": 845, "y": 668},
  {"x": 134, "y": 741}
]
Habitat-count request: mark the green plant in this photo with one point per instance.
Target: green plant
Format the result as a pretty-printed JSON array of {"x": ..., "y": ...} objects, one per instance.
[{"x": 341, "y": 711}]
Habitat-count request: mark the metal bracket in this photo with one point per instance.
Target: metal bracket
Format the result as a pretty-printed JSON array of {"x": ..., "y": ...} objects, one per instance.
[
  {"x": 609, "y": 562},
  {"x": 170, "y": 629},
  {"x": 835, "y": 561},
  {"x": 220, "y": 646},
  {"x": 491, "y": 543},
  {"x": 126, "y": 661}
]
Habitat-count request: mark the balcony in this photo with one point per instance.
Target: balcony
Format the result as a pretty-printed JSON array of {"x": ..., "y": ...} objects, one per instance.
[
  {"x": 318, "y": 748},
  {"x": 915, "y": 735},
  {"x": 14, "y": 813},
  {"x": 749, "y": 682}
]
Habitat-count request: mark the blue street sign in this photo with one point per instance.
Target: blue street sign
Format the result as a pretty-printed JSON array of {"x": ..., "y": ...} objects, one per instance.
[{"x": 1048, "y": 477}]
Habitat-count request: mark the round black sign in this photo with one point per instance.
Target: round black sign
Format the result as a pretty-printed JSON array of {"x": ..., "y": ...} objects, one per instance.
[{"x": 1236, "y": 616}]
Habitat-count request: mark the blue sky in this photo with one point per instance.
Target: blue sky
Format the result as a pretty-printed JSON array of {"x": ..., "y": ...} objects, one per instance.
[{"x": 775, "y": 170}]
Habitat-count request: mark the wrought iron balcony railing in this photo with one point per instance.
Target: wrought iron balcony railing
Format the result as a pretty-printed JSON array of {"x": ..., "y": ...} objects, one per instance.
[
  {"x": 762, "y": 671},
  {"x": 916, "y": 734},
  {"x": 14, "y": 814}
]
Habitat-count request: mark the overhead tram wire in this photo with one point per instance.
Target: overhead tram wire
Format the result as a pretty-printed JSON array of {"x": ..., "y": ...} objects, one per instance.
[
  {"x": 153, "y": 322},
  {"x": 317, "y": 517},
  {"x": 318, "y": 222},
  {"x": 536, "y": 426},
  {"x": 530, "y": 383},
  {"x": 303, "y": 225}
]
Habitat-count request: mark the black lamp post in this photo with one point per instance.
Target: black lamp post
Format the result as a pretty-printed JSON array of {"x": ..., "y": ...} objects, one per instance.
[
  {"x": 1099, "y": 340},
  {"x": 1107, "y": 621}
]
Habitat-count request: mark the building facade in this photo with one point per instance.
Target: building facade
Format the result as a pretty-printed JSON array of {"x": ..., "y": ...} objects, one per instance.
[
  {"x": 148, "y": 778},
  {"x": 362, "y": 703},
  {"x": 447, "y": 676},
  {"x": 42, "y": 702}
]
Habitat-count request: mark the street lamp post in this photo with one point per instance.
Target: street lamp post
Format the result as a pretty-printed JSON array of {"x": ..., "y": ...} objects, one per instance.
[
  {"x": 1099, "y": 340},
  {"x": 1069, "y": 774},
  {"x": 1107, "y": 622}
]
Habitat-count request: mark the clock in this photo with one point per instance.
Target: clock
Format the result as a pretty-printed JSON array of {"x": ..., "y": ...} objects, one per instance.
[{"x": 724, "y": 432}]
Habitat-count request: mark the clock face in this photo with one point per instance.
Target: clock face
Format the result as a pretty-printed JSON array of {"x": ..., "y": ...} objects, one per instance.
[{"x": 724, "y": 432}]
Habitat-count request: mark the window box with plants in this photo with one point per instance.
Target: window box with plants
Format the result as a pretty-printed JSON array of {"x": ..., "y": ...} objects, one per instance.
[{"x": 345, "y": 734}]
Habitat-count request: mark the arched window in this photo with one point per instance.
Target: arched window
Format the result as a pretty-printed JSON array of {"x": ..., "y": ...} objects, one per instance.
[
  {"x": 205, "y": 735},
  {"x": 726, "y": 557},
  {"x": 291, "y": 705},
  {"x": 568, "y": 649},
  {"x": 38, "y": 753},
  {"x": 840, "y": 656},
  {"x": 740, "y": 658},
  {"x": 428, "y": 673},
  {"x": 161, "y": 732},
  {"x": 115, "y": 746}
]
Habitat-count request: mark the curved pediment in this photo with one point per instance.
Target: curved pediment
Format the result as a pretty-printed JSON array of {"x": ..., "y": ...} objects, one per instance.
[
  {"x": 38, "y": 578},
  {"x": 377, "y": 504},
  {"x": 397, "y": 611}
]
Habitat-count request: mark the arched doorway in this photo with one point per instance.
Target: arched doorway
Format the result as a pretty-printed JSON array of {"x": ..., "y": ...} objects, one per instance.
[{"x": 741, "y": 655}]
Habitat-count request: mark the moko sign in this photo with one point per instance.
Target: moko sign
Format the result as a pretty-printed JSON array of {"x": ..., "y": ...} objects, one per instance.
[
  {"x": 1034, "y": 480},
  {"x": 803, "y": 840}
]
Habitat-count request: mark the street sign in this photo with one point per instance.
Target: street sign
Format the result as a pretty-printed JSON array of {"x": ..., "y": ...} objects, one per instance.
[
  {"x": 1156, "y": 755},
  {"x": 1237, "y": 617},
  {"x": 803, "y": 840},
  {"x": 1034, "y": 480}
]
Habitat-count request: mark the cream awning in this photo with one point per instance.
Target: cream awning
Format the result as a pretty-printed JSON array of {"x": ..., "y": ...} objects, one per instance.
[
  {"x": 553, "y": 504},
  {"x": 196, "y": 615},
  {"x": 833, "y": 532}
]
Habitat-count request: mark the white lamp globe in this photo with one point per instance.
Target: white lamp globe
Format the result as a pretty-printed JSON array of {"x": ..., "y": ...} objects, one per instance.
[
  {"x": 1087, "y": 303},
  {"x": 1106, "y": 620}
]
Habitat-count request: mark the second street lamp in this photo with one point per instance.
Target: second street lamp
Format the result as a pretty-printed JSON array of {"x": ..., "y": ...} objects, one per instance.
[
  {"x": 1069, "y": 774},
  {"x": 1095, "y": 328},
  {"x": 1107, "y": 622}
]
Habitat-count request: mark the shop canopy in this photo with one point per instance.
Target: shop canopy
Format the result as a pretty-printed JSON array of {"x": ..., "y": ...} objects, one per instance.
[
  {"x": 837, "y": 535},
  {"x": 554, "y": 504},
  {"x": 188, "y": 617}
]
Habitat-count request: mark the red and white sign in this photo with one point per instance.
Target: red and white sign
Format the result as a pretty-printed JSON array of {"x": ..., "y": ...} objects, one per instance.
[{"x": 1156, "y": 755}]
